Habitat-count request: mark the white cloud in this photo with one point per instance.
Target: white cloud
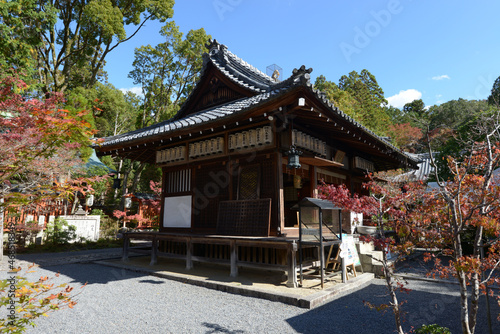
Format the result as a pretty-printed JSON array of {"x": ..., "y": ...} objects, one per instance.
[
  {"x": 135, "y": 90},
  {"x": 404, "y": 97},
  {"x": 440, "y": 77}
]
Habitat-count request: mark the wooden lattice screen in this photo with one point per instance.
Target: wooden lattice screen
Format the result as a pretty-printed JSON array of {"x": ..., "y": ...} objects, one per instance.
[
  {"x": 249, "y": 182},
  {"x": 245, "y": 217}
]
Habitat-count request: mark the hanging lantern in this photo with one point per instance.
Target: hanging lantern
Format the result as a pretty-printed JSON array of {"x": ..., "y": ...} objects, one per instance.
[
  {"x": 297, "y": 182},
  {"x": 90, "y": 200},
  {"x": 128, "y": 202},
  {"x": 117, "y": 183},
  {"x": 293, "y": 158}
]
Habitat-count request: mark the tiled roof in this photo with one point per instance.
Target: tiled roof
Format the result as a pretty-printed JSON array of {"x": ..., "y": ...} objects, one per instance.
[
  {"x": 206, "y": 116},
  {"x": 423, "y": 171},
  {"x": 237, "y": 69},
  {"x": 249, "y": 77}
]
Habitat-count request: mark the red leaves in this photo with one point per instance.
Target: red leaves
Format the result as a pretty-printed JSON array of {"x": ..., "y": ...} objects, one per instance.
[{"x": 38, "y": 140}]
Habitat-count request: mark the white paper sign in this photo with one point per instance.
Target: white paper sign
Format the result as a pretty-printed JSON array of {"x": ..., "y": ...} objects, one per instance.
[
  {"x": 177, "y": 211},
  {"x": 348, "y": 250}
]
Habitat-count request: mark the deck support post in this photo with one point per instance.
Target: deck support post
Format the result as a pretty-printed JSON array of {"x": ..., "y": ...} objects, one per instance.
[
  {"x": 292, "y": 265},
  {"x": 234, "y": 258},
  {"x": 189, "y": 254},
  {"x": 126, "y": 244},
  {"x": 154, "y": 251}
]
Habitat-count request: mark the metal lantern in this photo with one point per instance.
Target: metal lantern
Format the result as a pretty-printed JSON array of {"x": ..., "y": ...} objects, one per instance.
[{"x": 293, "y": 158}]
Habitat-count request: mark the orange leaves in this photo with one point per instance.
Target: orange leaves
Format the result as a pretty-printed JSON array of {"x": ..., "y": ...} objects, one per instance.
[{"x": 34, "y": 299}]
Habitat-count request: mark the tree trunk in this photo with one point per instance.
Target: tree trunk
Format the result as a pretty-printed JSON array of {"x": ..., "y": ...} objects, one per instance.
[
  {"x": 124, "y": 188},
  {"x": 1, "y": 228},
  {"x": 137, "y": 177},
  {"x": 392, "y": 293},
  {"x": 389, "y": 277},
  {"x": 462, "y": 282},
  {"x": 475, "y": 292},
  {"x": 464, "y": 310},
  {"x": 118, "y": 176}
]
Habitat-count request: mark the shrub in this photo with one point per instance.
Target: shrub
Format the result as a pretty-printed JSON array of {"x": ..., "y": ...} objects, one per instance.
[
  {"x": 60, "y": 232},
  {"x": 109, "y": 226},
  {"x": 433, "y": 329},
  {"x": 26, "y": 232}
]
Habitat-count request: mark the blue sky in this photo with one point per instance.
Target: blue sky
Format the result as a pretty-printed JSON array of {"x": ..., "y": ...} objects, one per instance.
[{"x": 434, "y": 50}]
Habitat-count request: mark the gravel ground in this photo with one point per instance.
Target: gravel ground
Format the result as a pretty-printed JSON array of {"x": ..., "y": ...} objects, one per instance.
[{"x": 122, "y": 301}]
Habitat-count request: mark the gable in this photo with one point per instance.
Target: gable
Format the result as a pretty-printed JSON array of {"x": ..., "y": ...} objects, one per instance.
[{"x": 213, "y": 89}]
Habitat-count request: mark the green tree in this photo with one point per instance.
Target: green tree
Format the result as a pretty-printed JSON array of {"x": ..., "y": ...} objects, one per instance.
[
  {"x": 340, "y": 98},
  {"x": 68, "y": 41},
  {"x": 416, "y": 113},
  {"x": 494, "y": 98},
  {"x": 396, "y": 115},
  {"x": 21, "y": 26},
  {"x": 113, "y": 112},
  {"x": 167, "y": 72},
  {"x": 455, "y": 113},
  {"x": 452, "y": 124},
  {"x": 363, "y": 87}
]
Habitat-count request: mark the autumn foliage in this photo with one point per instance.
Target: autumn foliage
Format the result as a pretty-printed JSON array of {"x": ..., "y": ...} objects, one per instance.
[
  {"x": 152, "y": 206},
  {"x": 32, "y": 299},
  {"x": 457, "y": 221},
  {"x": 39, "y": 149},
  {"x": 387, "y": 205},
  {"x": 38, "y": 140}
]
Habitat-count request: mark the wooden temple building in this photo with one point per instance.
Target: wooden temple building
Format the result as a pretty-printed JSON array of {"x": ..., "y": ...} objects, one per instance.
[{"x": 228, "y": 188}]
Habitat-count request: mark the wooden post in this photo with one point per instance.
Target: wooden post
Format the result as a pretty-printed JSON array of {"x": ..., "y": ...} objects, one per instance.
[
  {"x": 313, "y": 177},
  {"x": 292, "y": 265},
  {"x": 189, "y": 254},
  {"x": 281, "y": 196},
  {"x": 154, "y": 251},
  {"x": 321, "y": 250},
  {"x": 126, "y": 243},
  {"x": 344, "y": 271},
  {"x": 300, "y": 245},
  {"x": 234, "y": 258}
]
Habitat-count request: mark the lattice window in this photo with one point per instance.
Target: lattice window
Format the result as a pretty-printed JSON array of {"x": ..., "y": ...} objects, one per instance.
[
  {"x": 249, "y": 182},
  {"x": 178, "y": 181},
  {"x": 248, "y": 218}
]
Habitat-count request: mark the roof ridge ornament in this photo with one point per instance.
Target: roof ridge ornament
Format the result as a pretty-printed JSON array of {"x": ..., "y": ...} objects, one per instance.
[
  {"x": 303, "y": 74},
  {"x": 302, "y": 71},
  {"x": 212, "y": 43}
]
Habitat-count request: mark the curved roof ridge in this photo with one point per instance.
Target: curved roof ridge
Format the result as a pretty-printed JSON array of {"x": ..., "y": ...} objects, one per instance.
[
  {"x": 251, "y": 67},
  {"x": 238, "y": 69}
]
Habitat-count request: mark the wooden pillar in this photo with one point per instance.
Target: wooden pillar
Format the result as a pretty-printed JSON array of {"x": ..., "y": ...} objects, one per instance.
[
  {"x": 126, "y": 243},
  {"x": 162, "y": 198},
  {"x": 154, "y": 251},
  {"x": 234, "y": 258},
  {"x": 281, "y": 196},
  {"x": 313, "y": 177},
  {"x": 189, "y": 254},
  {"x": 292, "y": 264}
]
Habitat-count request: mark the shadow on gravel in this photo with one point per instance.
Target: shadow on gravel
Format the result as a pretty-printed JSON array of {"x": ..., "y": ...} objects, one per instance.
[
  {"x": 91, "y": 273},
  {"x": 423, "y": 306},
  {"x": 214, "y": 328},
  {"x": 150, "y": 281}
]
